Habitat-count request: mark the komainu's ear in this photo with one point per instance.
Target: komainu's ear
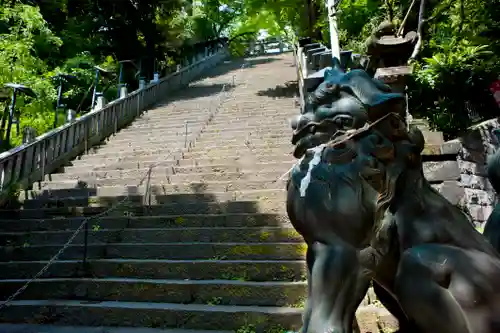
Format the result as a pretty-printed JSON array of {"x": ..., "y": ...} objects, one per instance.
[{"x": 417, "y": 138}]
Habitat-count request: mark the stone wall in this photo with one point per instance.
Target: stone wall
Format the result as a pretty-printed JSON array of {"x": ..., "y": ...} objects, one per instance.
[
  {"x": 458, "y": 170},
  {"x": 474, "y": 148}
]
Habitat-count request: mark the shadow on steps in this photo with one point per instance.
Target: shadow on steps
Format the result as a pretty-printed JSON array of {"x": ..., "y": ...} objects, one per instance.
[{"x": 289, "y": 89}]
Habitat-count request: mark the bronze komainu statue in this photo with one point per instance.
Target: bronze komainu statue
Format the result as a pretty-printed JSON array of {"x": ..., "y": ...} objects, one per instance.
[
  {"x": 492, "y": 227},
  {"x": 359, "y": 198}
]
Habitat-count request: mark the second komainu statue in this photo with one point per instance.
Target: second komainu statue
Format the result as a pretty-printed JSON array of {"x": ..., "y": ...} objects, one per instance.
[{"x": 359, "y": 198}]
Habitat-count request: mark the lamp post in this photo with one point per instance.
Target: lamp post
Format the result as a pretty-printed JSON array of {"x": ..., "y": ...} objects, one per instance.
[
  {"x": 332, "y": 6},
  {"x": 16, "y": 89},
  {"x": 96, "y": 94},
  {"x": 60, "y": 79},
  {"x": 122, "y": 86},
  {"x": 142, "y": 78}
]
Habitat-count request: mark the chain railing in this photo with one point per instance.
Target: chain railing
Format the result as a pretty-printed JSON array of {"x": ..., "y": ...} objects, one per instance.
[
  {"x": 223, "y": 96},
  {"x": 24, "y": 165}
]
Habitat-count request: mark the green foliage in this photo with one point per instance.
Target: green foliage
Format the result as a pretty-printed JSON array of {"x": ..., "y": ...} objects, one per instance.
[
  {"x": 458, "y": 62},
  {"x": 19, "y": 63},
  {"x": 357, "y": 18},
  {"x": 451, "y": 84},
  {"x": 452, "y": 79},
  {"x": 39, "y": 39}
]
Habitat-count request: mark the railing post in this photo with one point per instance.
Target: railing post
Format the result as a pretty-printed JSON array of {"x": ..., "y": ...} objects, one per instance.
[
  {"x": 142, "y": 83},
  {"x": 100, "y": 103},
  {"x": 70, "y": 116}
]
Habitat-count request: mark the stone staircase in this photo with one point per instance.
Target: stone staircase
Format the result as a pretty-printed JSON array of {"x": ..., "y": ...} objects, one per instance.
[{"x": 187, "y": 227}]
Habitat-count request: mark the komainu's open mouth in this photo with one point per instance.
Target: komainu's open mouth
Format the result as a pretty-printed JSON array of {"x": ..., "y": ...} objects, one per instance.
[{"x": 313, "y": 134}]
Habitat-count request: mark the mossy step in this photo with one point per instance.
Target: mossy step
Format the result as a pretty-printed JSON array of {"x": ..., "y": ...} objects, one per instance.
[
  {"x": 162, "y": 221},
  {"x": 243, "y": 270},
  {"x": 40, "y": 328},
  {"x": 130, "y": 209},
  {"x": 184, "y": 250},
  {"x": 214, "y": 292},
  {"x": 168, "y": 315},
  {"x": 198, "y": 269},
  {"x": 227, "y": 182},
  {"x": 155, "y": 198},
  {"x": 155, "y": 235}
]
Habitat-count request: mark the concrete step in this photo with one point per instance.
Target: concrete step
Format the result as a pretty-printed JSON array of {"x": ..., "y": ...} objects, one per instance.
[
  {"x": 222, "y": 130},
  {"x": 126, "y": 209},
  {"x": 242, "y": 270},
  {"x": 253, "y": 141},
  {"x": 167, "y": 122},
  {"x": 214, "y": 292},
  {"x": 245, "y": 146},
  {"x": 184, "y": 250},
  {"x": 157, "y": 145},
  {"x": 168, "y": 315},
  {"x": 114, "y": 159},
  {"x": 221, "y": 120},
  {"x": 154, "y": 144},
  {"x": 131, "y": 155},
  {"x": 158, "y": 178},
  {"x": 163, "y": 221},
  {"x": 69, "y": 188},
  {"x": 223, "y": 134},
  {"x": 249, "y": 153},
  {"x": 166, "y": 154},
  {"x": 170, "y": 175},
  {"x": 34, "y": 328},
  {"x": 152, "y": 198},
  {"x": 215, "y": 125},
  {"x": 242, "y": 111},
  {"x": 131, "y": 152},
  {"x": 146, "y": 162},
  {"x": 229, "y": 167},
  {"x": 98, "y": 235}
]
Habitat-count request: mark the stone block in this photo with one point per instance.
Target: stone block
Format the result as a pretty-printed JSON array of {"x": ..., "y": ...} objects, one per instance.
[
  {"x": 472, "y": 156},
  {"x": 473, "y": 140},
  {"x": 475, "y": 182},
  {"x": 480, "y": 213},
  {"x": 471, "y": 168},
  {"x": 431, "y": 149},
  {"x": 372, "y": 319},
  {"x": 441, "y": 171},
  {"x": 478, "y": 197},
  {"x": 432, "y": 137},
  {"x": 452, "y": 191},
  {"x": 451, "y": 147},
  {"x": 422, "y": 124}
]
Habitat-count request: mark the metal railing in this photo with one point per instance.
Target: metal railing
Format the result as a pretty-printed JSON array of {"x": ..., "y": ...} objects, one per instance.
[{"x": 24, "y": 165}]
